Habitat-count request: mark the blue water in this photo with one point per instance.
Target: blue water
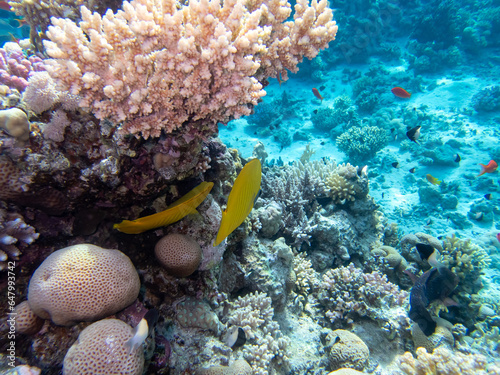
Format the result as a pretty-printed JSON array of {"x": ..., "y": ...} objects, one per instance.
[{"x": 409, "y": 116}]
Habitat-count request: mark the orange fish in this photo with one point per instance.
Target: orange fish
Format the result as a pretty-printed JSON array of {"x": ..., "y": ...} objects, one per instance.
[
  {"x": 4, "y": 5},
  {"x": 400, "y": 92},
  {"x": 317, "y": 94},
  {"x": 490, "y": 168}
]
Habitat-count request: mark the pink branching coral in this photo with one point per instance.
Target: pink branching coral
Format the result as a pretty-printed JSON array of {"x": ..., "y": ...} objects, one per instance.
[
  {"x": 158, "y": 64},
  {"x": 15, "y": 67}
]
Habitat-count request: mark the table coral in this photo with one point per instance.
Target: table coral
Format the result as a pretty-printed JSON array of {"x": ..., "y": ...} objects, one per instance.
[{"x": 157, "y": 64}]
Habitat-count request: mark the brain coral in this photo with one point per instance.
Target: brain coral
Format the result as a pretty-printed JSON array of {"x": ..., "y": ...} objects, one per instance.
[
  {"x": 27, "y": 322},
  {"x": 179, "y": 254},
  {"x": 348, "y": 350},
  {"x": 82, "y": 283},
  {"x": 100, "y": 350}
]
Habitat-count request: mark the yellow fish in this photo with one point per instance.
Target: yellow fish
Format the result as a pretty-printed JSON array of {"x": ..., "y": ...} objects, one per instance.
[
  {"x": 433, "y": 180},
  {"x": 176, "y": 211},
  {"x": 241, "y": 199}
]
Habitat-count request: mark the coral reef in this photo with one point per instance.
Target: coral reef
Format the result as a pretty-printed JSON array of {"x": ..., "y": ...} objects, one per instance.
[
  {"x": 15, "y": 235},
  {"x": 68, "y": 287},
  {"x": 193, "y": 313},
  {"x": 347, "y": 292},
  {"x": 15, "y": 123},
  {"x": 307, "y": 183},
  {"x": 100, "y": 349},
  {"x": 335, "y": 120},
  {"x": 360, "y": 144},
  {"x": 179, "y": 254},
  {"x": 487, "y": 100},
  {"x": 207, "y": 69},
  {"x": 443, "y": 361},
  {"x": 15, "y": 67},
  {"x": 38, "y": 13},
  {"x": 347, "y": 350},
  {"x": 266, "y": 348},
  {"x": 27, "y": 322},
  {"x": 239, "y": 367}
]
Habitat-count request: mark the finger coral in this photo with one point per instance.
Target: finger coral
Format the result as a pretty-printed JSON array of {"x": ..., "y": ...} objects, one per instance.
[{"x": 157, "y": 64}]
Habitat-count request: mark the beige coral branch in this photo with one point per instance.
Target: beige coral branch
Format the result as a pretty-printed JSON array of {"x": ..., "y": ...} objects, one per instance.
[{"x": 157, "y": 64}]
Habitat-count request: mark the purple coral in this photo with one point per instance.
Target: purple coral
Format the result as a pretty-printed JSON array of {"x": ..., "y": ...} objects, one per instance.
[
  {"x": 14, "y": 234},
  {"x": 15, "y": 66}
]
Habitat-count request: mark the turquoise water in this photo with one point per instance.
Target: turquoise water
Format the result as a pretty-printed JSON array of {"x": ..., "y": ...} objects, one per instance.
[{"x": 374, "y": 234}]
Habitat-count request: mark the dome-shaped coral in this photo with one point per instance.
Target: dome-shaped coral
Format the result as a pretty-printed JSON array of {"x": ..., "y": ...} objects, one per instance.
[
  {"x": 348, "y": 350},
  {"x": 27, "y": 322},
  {"x": 101, "y": 350},
  {"x": 82, "y": 283},
  {"x": 179, "y": 254}
]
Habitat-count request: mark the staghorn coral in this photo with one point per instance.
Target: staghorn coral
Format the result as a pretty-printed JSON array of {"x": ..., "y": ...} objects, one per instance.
[
  {"x": 443, "y": 361},
  {"x": 266, "y": 348},
  {"x": 157, "y": 64},
  {"x": 15, "y": 235}
]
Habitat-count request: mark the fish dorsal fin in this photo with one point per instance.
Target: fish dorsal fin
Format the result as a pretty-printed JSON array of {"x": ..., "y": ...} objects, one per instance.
[{"x": 241, "y": 199}]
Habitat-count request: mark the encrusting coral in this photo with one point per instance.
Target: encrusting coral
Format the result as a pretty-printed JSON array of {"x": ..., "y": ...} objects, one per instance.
[{"x": 157, "y": 64}]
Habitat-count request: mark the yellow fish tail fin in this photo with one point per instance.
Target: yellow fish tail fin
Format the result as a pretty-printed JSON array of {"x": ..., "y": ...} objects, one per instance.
[
  {"x": 175, "y": 212},
  {"x": 241, "y": 199}
]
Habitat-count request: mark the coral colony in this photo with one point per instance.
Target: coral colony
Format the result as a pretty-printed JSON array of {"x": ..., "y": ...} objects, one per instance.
[{"x": 174, "y": 201}]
